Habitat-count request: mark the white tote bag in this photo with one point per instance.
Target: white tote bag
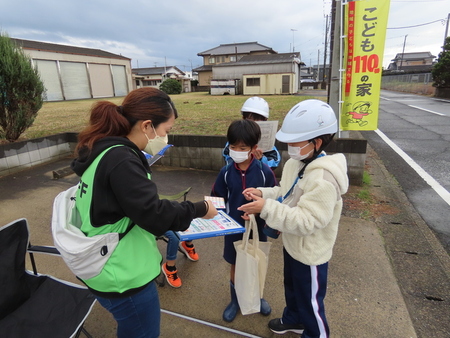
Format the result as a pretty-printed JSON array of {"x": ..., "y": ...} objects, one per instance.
[{"x": 251, "y": 268}]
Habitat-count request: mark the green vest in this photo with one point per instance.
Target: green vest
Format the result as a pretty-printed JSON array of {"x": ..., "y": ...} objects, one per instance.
[{"x": 136, "y": 259}]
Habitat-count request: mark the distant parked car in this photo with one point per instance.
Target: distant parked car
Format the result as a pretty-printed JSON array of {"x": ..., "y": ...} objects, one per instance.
[{"x": 308, "y": 83}]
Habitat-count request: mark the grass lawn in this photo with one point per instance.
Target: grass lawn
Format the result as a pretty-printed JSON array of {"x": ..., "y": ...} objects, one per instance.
[{"x": 198, "y": 113}]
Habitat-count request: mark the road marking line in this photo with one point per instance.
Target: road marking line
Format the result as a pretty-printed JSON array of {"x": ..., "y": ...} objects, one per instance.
[
  {"x": 440, "y": 190},
  {"x": 244, "y": 334},
  {"x": 430, "y": 111}
]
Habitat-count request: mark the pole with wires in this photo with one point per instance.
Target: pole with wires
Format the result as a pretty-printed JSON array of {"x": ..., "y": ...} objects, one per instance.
[
  {"x": 403, "y": 53},
  {"x": 446, "y": 32}
]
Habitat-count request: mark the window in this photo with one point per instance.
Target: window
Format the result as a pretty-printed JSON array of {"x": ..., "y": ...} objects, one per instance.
[
  {"x": 253, "y": 82},
  {"x": 212, "y": 60},
  {"x": 233, "y": 58},
  {"x": 151, "y": 82}
]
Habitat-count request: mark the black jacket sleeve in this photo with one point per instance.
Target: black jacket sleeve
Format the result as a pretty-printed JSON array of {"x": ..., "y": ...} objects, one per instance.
[{"x": 130, "y": 193}]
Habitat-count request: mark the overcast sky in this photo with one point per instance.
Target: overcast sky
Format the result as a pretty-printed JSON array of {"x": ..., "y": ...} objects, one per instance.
[{"x": 172, "y": 32}]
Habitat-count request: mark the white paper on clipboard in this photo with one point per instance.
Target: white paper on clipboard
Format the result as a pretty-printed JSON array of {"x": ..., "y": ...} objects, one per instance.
[
  {"x": 218, "y": 202},
  {"x": 268, "y": 132}
]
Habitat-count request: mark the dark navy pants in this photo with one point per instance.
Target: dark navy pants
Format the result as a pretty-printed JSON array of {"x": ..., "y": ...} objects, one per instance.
[
  {"x": 137, "y": 316},
  {"x": 305, "y": 287}
]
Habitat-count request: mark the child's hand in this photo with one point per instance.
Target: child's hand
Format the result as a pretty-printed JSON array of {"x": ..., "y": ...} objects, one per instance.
[
  {"x": 251, "y": 191},
  {"x": 254, "y": 207},
  {"x": 257, "y": 153},
  {"x": 245, "y": 217}
]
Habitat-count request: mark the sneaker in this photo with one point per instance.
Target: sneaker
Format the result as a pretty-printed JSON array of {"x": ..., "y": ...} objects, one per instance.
[
  {"x": 277, "y": 326},
  {"x": 171, "y": 277},
  {"x": 189, "y": 252}
]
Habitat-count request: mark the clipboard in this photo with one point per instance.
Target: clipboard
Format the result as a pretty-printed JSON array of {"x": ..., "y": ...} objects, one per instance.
[
  {"x": 221, "y": 225},
  {"x": 152, "y": 159}
]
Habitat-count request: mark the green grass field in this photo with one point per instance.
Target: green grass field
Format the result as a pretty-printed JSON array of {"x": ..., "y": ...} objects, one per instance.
[{"x": 199, "y": 113}]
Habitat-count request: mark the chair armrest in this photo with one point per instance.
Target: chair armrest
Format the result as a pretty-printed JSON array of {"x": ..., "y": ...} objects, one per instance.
[
  {"x": 176, "y": 196},
  {"x": 50, "y": 250}
]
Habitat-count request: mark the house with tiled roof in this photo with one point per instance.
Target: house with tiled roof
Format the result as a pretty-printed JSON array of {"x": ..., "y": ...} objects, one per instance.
[
  {"x": 154, "y": 76},
  {"x": 263, "y": 73},
  {"x": 412, "y": 62},
  {"x": 71, "y": 73},
  {"x": 226, "y": 53}
]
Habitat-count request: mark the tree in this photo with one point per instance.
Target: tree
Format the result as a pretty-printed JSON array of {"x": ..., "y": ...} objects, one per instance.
[
  {"x": 21, "y": 90},
  {"x": 441, "y": 69},
  {"x": 171, "y": 86}
]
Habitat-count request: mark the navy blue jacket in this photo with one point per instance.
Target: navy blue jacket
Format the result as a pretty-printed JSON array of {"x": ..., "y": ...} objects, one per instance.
[{"x": 231, "y": 181}]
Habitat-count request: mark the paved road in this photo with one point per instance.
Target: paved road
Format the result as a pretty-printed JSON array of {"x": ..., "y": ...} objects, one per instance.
[
  {"x": 363, "y": 300},
  {"x": 413, "y": 141}
]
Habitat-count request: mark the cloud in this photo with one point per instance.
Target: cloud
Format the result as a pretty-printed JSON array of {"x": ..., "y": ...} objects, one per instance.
[{"x": 174, "y": 31}]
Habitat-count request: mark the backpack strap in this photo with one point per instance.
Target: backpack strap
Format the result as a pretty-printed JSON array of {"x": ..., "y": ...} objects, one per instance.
[{"x": 131, "y": 226}]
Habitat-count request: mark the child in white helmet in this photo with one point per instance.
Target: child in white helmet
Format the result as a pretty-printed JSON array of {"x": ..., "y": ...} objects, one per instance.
[
  {"x": 257, "y": 109},
  {"x": 306, "y": 209}
]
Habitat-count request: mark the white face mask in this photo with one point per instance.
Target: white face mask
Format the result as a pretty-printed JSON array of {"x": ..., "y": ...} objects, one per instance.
[
  {"x": 294, "y": 152},
  {"x": 156, "y": 144},
  {"x": 239, "y": 156}
]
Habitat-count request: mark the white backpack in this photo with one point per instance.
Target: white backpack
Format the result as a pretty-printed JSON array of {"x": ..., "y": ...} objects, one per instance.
[{"x": 85, "y": 256}]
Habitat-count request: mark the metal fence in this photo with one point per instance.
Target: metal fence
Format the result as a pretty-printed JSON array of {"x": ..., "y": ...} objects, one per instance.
[
  {"x": 410, "y": 78},
  {"x": 420, "y": 83}
]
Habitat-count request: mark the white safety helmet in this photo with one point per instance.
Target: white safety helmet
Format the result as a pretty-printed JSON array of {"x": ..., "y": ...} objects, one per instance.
[
  {"x": 256, "y": 105},
  {"x": 307, "y": 120}
]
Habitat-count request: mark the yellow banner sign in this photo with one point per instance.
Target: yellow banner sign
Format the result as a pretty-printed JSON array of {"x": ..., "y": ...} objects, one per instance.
[{"x": 365, "y": 34}]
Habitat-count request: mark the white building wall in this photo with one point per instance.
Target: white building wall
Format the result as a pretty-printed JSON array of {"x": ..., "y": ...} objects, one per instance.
[{"x": 119, "y": 76}]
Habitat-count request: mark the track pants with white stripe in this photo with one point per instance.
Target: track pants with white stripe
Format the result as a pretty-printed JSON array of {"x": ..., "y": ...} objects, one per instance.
[{"x": 305, "y": 287}]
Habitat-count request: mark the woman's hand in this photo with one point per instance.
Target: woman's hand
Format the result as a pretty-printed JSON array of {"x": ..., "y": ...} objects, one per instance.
[
  {"x": 254, "y": 207},
  {"x": 251, "y": 191},
  {"x": 212, "y": 211}
]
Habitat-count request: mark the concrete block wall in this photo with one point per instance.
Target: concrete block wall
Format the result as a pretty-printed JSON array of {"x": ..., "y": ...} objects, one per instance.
[
  {"x": 205, "y": 152},
  {"x": 189, "y": 151},
  {"x": 17, "y": 156}
]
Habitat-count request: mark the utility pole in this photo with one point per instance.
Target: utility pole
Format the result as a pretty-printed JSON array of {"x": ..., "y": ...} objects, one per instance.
[
  {"x": 336, "y": 50},
  {"x": 165, "y": 69},
  {"x": 325, "y": 52},
  {"x": 293, "y": 45},
  {"x": 446, "y": 32},
  {"x": 318, "y": 65},
  {"x": 335, "y": 55},
  {"x": 403, "y": 52}
]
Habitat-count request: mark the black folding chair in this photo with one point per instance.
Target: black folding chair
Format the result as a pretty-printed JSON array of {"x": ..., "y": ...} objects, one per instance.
[{"x": 32, "y": 304}]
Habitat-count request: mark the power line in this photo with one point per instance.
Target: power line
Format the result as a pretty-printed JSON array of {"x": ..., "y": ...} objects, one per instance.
[{"x": 423, "y": 24}]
